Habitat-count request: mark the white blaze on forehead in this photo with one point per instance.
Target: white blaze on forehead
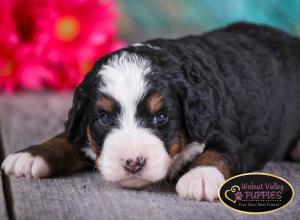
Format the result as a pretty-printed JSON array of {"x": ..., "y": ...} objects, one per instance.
[{"x": 124, "y": 79}]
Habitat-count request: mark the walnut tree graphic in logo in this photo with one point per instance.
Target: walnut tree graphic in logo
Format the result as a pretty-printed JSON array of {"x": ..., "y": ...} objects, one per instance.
[{"x": 256, "y": 193}]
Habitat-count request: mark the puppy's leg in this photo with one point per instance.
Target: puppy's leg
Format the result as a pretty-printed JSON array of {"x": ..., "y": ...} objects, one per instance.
[
  {"x": 54, "y": 156},
  {"x": 203, "y": 181}
]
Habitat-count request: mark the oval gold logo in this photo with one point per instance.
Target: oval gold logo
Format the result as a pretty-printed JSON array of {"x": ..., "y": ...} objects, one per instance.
[{"x": 256, "y": 193}]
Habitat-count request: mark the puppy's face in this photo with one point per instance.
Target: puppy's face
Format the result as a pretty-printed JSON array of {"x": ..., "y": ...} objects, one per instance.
[{"x": 134, "y": 122}]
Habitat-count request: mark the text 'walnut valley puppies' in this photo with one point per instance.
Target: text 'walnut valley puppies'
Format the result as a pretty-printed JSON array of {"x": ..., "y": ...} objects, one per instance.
[{"x": 218, "y": 104}]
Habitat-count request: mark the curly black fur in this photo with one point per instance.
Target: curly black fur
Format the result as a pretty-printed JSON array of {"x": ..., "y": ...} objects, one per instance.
[{"x": 236, "y": 89}]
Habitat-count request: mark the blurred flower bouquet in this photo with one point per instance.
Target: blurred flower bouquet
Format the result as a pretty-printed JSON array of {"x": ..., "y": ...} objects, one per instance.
[{"x": 53, "y": 43}]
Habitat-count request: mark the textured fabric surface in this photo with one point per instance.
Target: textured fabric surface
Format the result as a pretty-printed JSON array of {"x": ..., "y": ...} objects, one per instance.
[{"x": 28, "y": 119}]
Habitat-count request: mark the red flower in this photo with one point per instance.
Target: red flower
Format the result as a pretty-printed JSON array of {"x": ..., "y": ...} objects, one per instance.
[
  {"x": 53, "y": 43},
  {"x": 9, "y": 41},
  {"x": 74, "y": 35}
]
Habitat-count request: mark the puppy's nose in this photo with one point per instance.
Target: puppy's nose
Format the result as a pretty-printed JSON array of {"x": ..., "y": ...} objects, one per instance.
[{"x": 134, "y": 166}]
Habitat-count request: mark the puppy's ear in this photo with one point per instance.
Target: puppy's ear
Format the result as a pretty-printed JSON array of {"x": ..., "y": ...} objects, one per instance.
[
  {"x": 76, "y": 116},
  {"x": 198, "y": 104}
]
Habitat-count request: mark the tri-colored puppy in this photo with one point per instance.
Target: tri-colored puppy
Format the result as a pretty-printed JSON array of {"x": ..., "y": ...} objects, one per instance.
[{"x": 198, "y": 109}]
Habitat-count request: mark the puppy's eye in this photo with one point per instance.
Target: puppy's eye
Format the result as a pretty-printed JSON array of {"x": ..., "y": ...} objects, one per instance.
[
  {"x": 106, "y": 119},
  {"x": 159, "y": 119}
]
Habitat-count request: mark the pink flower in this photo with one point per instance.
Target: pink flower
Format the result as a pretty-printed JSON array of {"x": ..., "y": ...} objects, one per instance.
[
  {"x": 8, "y": 44},
  {"x": 53, "y": 43},
  {"x": 75, "y": 34},
  {"x": 17, "y": 56}
]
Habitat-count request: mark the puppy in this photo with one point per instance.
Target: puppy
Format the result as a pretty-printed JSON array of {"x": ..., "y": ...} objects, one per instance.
[{"x": 197, "y": 109}]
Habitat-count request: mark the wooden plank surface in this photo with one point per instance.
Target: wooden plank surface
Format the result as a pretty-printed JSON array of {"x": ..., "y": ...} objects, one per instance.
[
  {"x": 30, "y": 118},
  {"x": 3, "y": 210},
  {"x": 18, "y": 130},
  {"x": 3, "y": 213}
]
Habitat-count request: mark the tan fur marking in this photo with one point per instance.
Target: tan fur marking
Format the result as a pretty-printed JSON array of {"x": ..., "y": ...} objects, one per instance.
[
  {"x": 92, "y": 142},
  {"x": 213, "y": 158},
  {"x": 179, "y": 145},
  {"x": 105, "y": 104},
  {"x": 155, "y": 103}
]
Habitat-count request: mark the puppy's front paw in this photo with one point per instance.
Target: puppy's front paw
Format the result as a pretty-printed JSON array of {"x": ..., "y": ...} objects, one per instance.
[
  {"x": 24, "y": 164},
  {"x": 200, "y": 183}
]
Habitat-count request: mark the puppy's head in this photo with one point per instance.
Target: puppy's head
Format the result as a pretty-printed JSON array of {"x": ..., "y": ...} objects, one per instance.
[{"x": 132, "y": 118}]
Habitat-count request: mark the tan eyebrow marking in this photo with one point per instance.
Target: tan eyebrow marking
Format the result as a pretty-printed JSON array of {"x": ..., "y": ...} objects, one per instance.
[
  {"x": 155, "y": 103},
  {"x": 105, "y": 104}
]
